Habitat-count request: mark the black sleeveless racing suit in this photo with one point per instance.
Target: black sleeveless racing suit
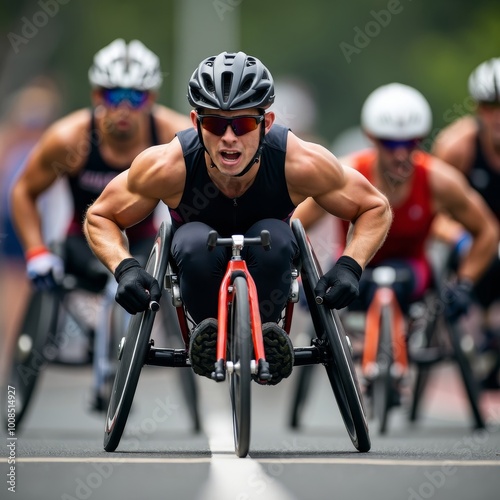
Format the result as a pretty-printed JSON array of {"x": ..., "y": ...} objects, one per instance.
[
  {"x": 85, "y": 188},
  {"x": 486, "y": 181},
  {"x": 265, "y": 205}
]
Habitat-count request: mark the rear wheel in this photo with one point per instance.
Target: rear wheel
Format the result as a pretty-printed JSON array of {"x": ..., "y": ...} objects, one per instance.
[
  {"x": 239, "y": 353},
  {"x": 340, "y": 366},
  {"x": 133, "y": 350},
  {"x": 470, "y": 383},
  {"x": 29, "y": 354},
  {"x": 382, "y": 383}
]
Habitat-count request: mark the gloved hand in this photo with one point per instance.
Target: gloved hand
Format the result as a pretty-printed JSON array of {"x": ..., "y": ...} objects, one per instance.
[
  {"x": 44, "y": 269},
  {"x": 340, "y": 286},
  {"x": 136, "y": 287},
  {"x": 457, "y": 298}
]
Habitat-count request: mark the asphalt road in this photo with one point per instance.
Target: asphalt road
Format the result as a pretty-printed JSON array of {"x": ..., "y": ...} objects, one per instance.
[{"x": 59, "y": 454}]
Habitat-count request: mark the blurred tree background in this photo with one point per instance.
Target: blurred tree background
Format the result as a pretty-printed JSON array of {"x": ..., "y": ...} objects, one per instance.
[{"x": 341, "y": 50}]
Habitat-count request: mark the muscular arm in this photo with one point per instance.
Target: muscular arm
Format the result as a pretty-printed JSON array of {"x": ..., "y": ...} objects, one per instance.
[
  {"x": 342, "y": 192},
  {"x": 309, "y": 213},
  {"x": 156, "y": 174},
  {"x": 456, "y": 143},
  {"x": 455, "y": 197},
  {"x": 49, "y": 159}
]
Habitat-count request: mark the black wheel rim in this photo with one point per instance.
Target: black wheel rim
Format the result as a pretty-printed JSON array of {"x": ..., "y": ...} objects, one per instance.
[
  {"x": 28, "y": 357},
  {"x": 340, "y": 369},
  {"x": 382, "y": 384},
  {"x": 239, "y": 337},
  {"x": 135, "y": 349}
]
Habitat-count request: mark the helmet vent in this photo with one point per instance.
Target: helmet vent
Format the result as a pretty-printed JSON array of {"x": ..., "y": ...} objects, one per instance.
[
  {"x": 208, "y": 83},
  {"x": 227, "y": 79},
  {"x": 246, "y": 85}
]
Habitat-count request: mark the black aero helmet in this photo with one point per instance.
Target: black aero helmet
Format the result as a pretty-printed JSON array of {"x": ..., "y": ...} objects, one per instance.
[{"x": 231, "y": 81}]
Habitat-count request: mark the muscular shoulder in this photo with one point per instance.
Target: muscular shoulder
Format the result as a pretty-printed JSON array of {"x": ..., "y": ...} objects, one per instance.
[
  {"x": 65, "y": 144},
  {"x": 309, "y": 168},
  {"x": 169, "y": 122},
  {"x": 159, "y": 172},
  {"x": 446, "y": 183},
  {"x": 455, "y": 144}
]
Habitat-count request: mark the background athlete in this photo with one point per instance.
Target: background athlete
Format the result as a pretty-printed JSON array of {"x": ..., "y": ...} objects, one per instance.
[
  {"x": 396, "y": 118},
  {"x": 472, "y": 145},
  {"x": 90, "y": 147}
]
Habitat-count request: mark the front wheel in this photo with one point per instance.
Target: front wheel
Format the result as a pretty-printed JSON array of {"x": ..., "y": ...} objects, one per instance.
[
  {"x": 382, "y": 389},
  {"x": 239, "y": 353},
  {"x": 340, "y": 366}
]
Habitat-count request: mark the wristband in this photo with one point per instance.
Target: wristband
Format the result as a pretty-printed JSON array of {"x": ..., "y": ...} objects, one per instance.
[{"x": 35, "y": 252}]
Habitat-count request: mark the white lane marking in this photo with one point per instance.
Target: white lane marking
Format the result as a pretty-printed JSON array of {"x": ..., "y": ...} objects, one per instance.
[
  {"x": 231, "y": 477},
  {"x": 282, "y": 460}
]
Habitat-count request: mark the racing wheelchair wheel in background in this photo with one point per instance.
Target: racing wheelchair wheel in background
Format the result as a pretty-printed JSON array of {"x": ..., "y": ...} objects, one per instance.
[{"x": 30, "y": 354}]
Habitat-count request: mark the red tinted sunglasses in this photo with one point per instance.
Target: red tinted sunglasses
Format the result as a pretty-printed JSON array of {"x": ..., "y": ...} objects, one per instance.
[
  {"x": 240, "y": 125},
  {"x": 392, "y": 145}
]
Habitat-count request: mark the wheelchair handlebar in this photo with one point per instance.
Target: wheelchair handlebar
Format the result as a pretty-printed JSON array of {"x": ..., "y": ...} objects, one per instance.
[
  {"x": 239, "y": 240},
  {"x": 154, "y": 305}
]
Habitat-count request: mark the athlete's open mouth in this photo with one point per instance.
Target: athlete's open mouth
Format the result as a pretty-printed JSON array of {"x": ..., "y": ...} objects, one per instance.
[{"x": 230, "y": 156}]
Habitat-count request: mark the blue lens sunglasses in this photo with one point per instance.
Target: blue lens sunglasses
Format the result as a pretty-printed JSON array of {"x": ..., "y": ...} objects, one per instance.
[{"x": 115, "y": 97}]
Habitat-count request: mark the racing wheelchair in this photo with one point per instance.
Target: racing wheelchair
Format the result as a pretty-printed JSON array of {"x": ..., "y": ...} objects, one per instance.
[
  {"x": 240, "y": 351},
  {"x": 390, "y": 346},
  {"x": 58, "y": 327}
]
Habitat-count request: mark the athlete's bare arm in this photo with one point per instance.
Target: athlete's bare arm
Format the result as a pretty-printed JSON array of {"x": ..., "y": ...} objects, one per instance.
[
  {"x": 158, "y": 173},
  {"x": 456, "y": 143},
  {"x": 453, "y": 195},
  {"x": 309, "y": 212},
  {"x": 56, "y": 154},
  {"x": 313, "y": 171}
]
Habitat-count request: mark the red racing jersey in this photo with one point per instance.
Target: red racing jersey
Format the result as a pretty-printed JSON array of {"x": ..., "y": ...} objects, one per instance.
[{"x": 412, "y": 219}]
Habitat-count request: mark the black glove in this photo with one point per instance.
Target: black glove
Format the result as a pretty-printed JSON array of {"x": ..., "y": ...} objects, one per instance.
[
  {"x": 457, "y": 298},
  {"x": 340, "y": 285},
  {"x": 136, "y": 287}
]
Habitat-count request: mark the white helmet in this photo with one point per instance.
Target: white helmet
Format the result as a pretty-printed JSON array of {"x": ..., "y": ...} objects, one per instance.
[
  {"x": 484, "y": 81},
  {"x": 128, "y": 66},
  {"x": 396, "y": 111}
]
